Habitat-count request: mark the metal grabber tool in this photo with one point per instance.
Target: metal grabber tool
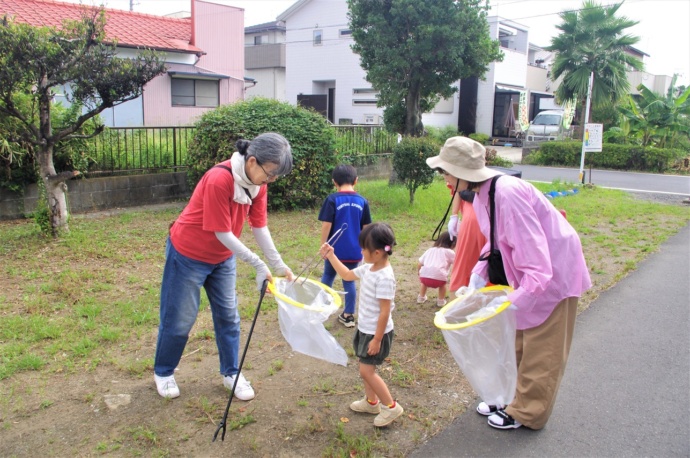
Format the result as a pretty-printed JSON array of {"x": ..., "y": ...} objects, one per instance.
[
  {"x": 332, "y": 241},
  {"x": 223, "y": 422}
]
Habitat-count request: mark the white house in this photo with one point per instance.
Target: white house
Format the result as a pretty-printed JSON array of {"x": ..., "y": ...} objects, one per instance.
[
  {"x": 323, "y": 72},
  {"x": 264, "y": 60}
]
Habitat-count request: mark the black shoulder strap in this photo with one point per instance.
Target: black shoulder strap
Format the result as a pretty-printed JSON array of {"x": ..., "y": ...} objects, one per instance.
[
  {"x": 221, "y": 166},
  {"x": 492, "y": 193}
]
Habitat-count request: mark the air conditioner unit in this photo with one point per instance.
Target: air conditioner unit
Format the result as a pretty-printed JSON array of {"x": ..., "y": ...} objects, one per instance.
[{"x": 371, "y": 119}]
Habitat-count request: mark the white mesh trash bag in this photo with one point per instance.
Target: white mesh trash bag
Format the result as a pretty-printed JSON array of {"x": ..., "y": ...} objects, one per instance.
[
  {"x": 482, "y": 341},
  {"x": 303, "y": 306}
]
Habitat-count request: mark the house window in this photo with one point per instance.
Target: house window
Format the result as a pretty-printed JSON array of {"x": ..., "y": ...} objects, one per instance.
[
  {"x": 345, "y": 33},
  {"x": 318, "y": 37},
  {"x": 261, "y": 40},
  {"x": 368, "y": 90},
  {"x": 194, "y": 93},
  {"x": 367, "y": 102}
]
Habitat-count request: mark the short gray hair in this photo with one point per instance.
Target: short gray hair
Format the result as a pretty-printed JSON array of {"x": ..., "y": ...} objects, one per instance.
[{"x": 268, "y": 147}]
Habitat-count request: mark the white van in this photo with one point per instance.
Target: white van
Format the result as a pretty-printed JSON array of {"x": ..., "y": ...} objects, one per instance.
[{"x": 546, "y": 126}]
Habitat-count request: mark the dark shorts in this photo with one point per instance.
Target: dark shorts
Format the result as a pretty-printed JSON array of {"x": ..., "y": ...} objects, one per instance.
[
  {"x": 361, "y": 344},
  {"x": 431, "y": 282}
]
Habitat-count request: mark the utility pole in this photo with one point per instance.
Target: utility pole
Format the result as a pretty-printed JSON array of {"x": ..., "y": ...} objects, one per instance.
[{"x": 582, "y": 158}]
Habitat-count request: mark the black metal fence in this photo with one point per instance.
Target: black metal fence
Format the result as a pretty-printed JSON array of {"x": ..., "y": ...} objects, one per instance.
[
  {"x": 120, "y": 150},
  {"x": 138, "y": 150}
]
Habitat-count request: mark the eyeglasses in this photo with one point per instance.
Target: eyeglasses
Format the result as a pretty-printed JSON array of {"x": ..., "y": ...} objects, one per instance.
[
  {"x": 441, "y": 171},
  {"x": 270, "y": 176}
]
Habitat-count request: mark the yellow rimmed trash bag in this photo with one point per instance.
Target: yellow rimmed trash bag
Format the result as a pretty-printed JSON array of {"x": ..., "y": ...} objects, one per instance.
[
  {"x": 482, "y": 341},
  {"x": 303, "y": 306}
]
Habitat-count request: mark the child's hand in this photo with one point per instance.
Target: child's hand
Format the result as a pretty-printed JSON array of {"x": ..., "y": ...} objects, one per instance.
[
  {"x": 374, "y": 347},
  {"x": 325, "y": 250}
]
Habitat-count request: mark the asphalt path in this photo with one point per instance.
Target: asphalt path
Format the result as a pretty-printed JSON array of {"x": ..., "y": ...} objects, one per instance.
[
  {"x": 627, "y": 181},
  {"x": 626, "y": 386}
]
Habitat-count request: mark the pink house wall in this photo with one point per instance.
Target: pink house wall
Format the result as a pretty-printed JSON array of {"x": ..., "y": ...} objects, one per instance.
[{"x": 219, "y": 31}]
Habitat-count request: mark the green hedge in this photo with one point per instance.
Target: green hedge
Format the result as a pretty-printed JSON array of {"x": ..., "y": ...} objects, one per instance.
[
  {"x": 309, "y": 134},
  {"x": 612, "y": 156}
]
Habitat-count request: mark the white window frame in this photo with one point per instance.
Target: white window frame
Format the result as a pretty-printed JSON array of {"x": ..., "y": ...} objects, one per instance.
[{"x": 198, "y": 94}]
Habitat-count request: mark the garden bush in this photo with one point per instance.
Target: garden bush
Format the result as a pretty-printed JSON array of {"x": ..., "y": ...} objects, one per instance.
[
  {"x": 612, "y": 156},
  {"x": 409, "y": 162},
  {"x": 480, "y": 138},
  {"x": 309, "y": 134}
]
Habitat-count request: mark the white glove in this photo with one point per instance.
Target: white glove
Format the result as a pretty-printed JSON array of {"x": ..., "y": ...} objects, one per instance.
[
  {"x": 265, "y": 242},
  {"x": 234, "y": 244},
  {"x": 476, "y": 282},
  {"x": 453, "y": 227},
  {"x": 496, "y": 303}
]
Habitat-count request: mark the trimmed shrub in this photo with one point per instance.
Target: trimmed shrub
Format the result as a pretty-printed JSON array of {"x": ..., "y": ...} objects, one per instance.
[
  {"x": 309, "y": 134},
  {"x": 409, "y": 162},
  {"x": 479, "y": 138},
  {"x": 612, "y": 156}
]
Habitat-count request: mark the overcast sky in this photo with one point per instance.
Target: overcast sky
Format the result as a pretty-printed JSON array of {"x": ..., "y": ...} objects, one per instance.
[{"x": 664, "y": 27}]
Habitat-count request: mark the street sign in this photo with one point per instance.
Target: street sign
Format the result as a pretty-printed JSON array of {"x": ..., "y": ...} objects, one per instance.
[{"x": 592, "y": 140}]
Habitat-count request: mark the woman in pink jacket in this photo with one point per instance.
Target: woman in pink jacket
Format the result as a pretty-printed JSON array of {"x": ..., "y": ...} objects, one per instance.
[{"x": 543, "y": 262}]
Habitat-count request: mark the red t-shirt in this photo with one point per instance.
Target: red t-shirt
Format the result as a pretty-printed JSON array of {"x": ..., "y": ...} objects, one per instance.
[{"x": 210, "y": 210}]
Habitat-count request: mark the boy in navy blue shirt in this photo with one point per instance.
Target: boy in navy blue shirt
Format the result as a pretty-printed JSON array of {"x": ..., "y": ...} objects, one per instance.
[{"x": 344, "y": 206}]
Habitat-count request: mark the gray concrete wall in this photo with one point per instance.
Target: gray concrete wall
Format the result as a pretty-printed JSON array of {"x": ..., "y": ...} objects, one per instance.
[
  {"x": 94, "y": 194},
  {"x": 101, "y": 193}
]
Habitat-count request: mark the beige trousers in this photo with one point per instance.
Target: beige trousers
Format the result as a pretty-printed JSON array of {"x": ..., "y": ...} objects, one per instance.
[{"x": 542, "y": 353}]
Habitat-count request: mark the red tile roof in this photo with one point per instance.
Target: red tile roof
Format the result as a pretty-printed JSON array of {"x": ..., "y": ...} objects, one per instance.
[{"x": 127, "y": 28}]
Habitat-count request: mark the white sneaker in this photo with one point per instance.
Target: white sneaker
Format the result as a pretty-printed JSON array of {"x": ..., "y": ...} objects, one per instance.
[
  {"x": 167, "y": 387},
  {"x": 243, "y": 390}
]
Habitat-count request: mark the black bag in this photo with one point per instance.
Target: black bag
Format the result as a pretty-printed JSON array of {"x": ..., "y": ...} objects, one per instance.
[{"x": 497, "y": 274}]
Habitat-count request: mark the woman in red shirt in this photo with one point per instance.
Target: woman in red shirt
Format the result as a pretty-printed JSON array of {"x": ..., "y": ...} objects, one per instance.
[{"x": 202, "y": 250}]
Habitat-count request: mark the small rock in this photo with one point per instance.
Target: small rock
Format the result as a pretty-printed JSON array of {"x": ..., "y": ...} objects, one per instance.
[{"x": 113, "y": 401}]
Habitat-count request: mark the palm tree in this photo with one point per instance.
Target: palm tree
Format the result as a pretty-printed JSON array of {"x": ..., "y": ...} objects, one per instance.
[{"x": 592, "y": 39}]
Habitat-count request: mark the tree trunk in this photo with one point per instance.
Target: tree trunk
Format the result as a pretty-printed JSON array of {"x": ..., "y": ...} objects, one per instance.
[
  {"x": 413, "y": 117},
  {"x": 55, "y": 191},
  {"x": 411, "y": 195}
]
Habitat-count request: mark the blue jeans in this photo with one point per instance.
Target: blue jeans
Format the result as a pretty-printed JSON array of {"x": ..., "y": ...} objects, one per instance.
[
  {"x": 183, "y": 278},
  {"x": 350, "y": 288}
]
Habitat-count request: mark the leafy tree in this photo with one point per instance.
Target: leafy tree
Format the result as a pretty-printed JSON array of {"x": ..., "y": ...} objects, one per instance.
[
  {"x": 409, "y": 162},
  {"x": 311, "y": 137},
  {"x": 659, "y": 119},
  {"x": 413, "y": 51},
  {"x": 593, "y": 39},
  {"x": 37, "y": 62}
]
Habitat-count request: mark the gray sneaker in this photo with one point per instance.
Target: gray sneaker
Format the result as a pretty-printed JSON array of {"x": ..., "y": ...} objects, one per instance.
[
  {"x": 243, "y": 390},
  {"x": 363, "y": 406},
  {"x": 387, "y": 415}
]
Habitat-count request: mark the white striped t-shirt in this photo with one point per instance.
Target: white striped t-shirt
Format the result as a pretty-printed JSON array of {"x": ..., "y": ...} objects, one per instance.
[{"x": 374, "y": 286}]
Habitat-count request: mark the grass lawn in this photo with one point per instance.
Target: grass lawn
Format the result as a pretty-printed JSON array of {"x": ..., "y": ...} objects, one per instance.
[{"x": 89, "y": 301}]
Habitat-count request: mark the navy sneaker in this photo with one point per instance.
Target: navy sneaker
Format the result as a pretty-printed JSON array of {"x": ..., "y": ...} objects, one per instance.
[
  {"x": 501, "y": 420},
  {"x": 347, "y": 321}
]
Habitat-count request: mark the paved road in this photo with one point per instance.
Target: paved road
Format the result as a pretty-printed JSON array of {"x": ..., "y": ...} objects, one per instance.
[
  {"x": 626, "y": 387},
  {"x": 628, "y": 181}
]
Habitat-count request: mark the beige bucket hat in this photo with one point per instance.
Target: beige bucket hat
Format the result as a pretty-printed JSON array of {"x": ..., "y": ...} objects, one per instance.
[{"x": 463, "y": 158}]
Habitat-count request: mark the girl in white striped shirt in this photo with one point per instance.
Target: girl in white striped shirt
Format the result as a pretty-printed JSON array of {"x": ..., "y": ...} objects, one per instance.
[{"x": 375, "y": 333}]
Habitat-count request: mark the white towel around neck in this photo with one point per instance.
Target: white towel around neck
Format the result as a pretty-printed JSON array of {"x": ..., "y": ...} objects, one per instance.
[{"x": 242, "y": 182}]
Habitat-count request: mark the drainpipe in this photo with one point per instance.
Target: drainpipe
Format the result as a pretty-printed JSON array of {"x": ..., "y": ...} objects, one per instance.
[{"x": 193, "y": 39}]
